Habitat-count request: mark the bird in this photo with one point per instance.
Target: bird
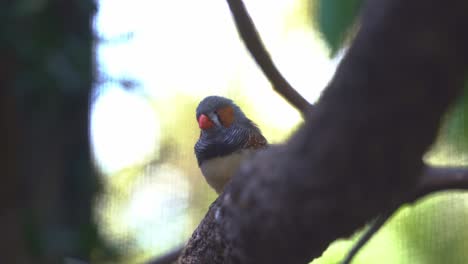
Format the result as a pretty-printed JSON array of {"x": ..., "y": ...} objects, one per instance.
[{"x": 227, "y": 138}]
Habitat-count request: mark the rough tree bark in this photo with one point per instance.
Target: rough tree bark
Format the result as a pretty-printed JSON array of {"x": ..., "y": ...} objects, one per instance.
[{"x": 359, "y": 151}]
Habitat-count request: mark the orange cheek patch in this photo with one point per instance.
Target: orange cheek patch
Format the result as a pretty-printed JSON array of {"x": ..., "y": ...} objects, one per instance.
[{"x": 226, "y": 114}]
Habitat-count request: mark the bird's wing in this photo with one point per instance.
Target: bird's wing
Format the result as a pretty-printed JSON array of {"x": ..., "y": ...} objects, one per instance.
[{"x": 255, "y": 141}]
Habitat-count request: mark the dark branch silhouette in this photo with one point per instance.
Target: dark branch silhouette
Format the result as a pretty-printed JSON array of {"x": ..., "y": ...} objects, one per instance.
[
  {"x": 441, "y": 179},
  {"x": 254, "y": 44}
]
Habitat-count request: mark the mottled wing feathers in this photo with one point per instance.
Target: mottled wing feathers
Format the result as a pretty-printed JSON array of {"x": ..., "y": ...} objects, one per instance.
[{"x": 256, "y": 141}]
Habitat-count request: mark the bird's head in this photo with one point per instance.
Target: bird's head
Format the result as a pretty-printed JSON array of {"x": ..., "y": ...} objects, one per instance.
[
  {"x": 224, "y": 129},
  {"x": 216, "y": 113}
]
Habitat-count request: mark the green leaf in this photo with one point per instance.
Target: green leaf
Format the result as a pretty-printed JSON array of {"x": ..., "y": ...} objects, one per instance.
[
  {"x": 456, "y": 124},
  {"x": 335, "y": 18}
]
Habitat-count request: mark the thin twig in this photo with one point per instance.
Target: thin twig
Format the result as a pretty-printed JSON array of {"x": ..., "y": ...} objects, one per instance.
[
  {"x": 368, "y": 234},
  {"x": 253, "y": 42},
  {"x": 433, "y": 180}
]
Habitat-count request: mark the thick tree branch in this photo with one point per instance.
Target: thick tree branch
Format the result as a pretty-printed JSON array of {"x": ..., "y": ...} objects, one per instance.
[
  {"x": 434, "y": 179},
  {"x": 360, "y": 150},
  {"x": 252, "y": 41}
]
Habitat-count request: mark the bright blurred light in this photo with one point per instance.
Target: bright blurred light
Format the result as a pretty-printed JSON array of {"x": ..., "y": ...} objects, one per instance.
[
  {"x": 124, "y": 129},
  {"x": 159, "y": 202},
  {"x": 192, "y": 47},
  {"x": 177, "y": 46}
]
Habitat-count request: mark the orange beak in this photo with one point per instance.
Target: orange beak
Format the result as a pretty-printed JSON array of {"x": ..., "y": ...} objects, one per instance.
[{"x": 204, "y": 122}]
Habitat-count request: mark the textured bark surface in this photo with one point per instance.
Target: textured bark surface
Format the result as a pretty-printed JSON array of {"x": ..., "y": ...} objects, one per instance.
[{"x": 360, "y": 150}]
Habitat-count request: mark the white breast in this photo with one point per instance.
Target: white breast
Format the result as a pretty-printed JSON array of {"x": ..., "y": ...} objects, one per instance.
[{"x": 219, "y": 170}]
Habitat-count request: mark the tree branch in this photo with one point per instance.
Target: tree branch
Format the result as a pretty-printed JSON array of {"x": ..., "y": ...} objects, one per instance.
[
  {"x": 441, "y": 179},
  {"x": 253, "y": 42},
  {"x": 360, "y": 150},
  {"x": 434, "y": 179}
]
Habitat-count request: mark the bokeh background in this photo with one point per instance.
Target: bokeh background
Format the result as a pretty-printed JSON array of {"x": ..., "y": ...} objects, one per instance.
[
  {"x": 161, "y": 59},
  {"x": 97, "y": 107}
]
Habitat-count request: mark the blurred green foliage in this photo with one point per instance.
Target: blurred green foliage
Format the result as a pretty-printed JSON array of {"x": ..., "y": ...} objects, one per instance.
[
  {"x": 179, "y": 199},
  {"x": 435, "y": 231},
  {"x": 432, "y": 231},
  {"x": 455, "y": 128},
  {"x": 335, "y": 19}
]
